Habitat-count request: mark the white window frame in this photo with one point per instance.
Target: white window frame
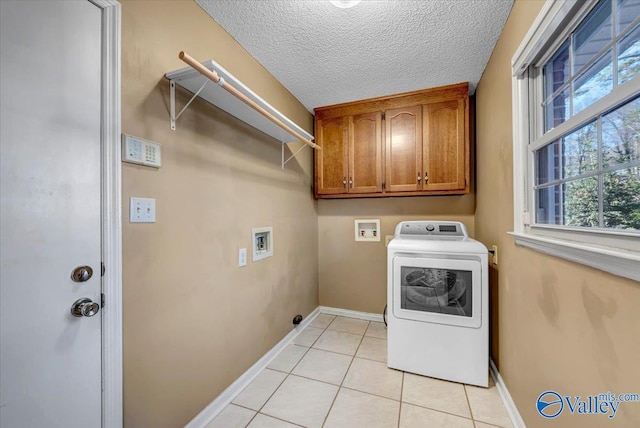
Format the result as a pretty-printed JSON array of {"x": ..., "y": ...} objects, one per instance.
[{"x": 616, "y": 252}]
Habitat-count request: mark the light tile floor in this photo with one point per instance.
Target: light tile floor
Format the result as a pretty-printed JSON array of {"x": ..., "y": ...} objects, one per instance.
[{"x": 335, "y": 375}]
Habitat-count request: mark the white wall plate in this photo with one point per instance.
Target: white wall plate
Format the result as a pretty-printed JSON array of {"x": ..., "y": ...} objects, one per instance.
[
  {"x": 262, "y": 241},
  {"x": 367, "y": 230}
]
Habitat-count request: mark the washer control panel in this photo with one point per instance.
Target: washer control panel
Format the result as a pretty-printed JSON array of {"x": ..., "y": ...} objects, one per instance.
[{"x": 431, "y": 228}]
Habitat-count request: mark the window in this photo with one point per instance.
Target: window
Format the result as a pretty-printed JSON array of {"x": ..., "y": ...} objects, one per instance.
[
  {"x": 577, "y": 134},
  {"x": 591, "y": 176}
]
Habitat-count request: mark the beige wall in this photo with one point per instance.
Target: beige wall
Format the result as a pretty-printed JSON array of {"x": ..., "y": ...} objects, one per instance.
[
  {"x": 353, "y": 275},
  {"x": 193, "y": 320},
  {"x": 561, "y": 326}
]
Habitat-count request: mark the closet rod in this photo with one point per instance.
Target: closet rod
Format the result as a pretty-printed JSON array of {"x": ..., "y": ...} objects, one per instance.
[{"x": 211, "y": 75}]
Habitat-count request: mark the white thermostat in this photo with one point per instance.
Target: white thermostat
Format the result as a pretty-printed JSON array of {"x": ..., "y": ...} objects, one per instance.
[{"x": 141, "y": 152}]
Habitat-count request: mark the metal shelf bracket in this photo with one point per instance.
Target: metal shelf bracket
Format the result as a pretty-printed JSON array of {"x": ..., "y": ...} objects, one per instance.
[
  {"x": 172, "y": 94},
  {"x": 284, "y": 162}
]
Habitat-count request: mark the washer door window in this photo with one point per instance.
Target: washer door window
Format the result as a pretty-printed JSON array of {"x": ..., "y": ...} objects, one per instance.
[{"x": 442, "y": 291}]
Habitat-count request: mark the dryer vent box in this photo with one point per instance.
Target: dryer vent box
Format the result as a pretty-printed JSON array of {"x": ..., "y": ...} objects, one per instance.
[
  {"x": 367, "y": 230},
  {"x": 262, "y": 239}
]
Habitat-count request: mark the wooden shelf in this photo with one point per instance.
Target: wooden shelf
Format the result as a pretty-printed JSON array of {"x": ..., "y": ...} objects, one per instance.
[{"x": 215, "y": 93}]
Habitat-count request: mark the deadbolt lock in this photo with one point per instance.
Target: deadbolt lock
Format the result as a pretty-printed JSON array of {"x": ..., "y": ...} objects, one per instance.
[{"x": 81, "y": 274}]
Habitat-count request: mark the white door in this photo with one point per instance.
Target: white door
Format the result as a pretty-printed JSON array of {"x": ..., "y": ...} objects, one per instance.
[{"x": 50, "y": 77}]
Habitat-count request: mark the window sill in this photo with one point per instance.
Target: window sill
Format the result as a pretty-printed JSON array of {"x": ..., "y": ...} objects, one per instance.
[{"x": 618, "y": 262}]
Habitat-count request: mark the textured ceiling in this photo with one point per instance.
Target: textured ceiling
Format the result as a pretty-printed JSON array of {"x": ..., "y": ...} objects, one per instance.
[{"x": 326, "y": 55}]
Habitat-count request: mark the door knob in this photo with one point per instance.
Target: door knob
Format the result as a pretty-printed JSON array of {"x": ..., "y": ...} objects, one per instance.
[
  {"x": 81, "y": 274},
  {"x": 84, "y": 308}
]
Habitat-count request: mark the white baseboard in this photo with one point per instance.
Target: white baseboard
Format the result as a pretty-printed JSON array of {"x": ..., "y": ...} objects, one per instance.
[
  {"x": 203, "y": 418},
  {"x": 351, "y": 314},
  {"x": 512, "y": 410}
]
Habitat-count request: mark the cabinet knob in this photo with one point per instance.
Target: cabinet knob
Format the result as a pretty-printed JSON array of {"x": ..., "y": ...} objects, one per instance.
[
  {"x": 426, "y": 177},
  {"x": 344, "y": 182},
  {"x": 419, "y": 178},
  {"x": 351, "y": 182}
]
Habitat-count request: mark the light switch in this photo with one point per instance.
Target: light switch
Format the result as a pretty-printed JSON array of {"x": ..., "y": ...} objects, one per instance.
[
  {"x": 142, "y": 210},
  {"x": 242, "y": 257}
]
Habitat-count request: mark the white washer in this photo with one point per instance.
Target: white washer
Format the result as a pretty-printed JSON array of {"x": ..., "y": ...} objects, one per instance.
[{"x": 438, "y": 302}]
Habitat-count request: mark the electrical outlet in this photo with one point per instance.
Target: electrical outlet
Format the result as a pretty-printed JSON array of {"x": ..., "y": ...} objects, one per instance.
[
  {"x": 494, "y": 248},
  {"x": 242, "y": 257}
]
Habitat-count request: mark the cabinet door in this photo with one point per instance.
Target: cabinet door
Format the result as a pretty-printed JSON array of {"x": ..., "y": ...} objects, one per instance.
[
  {"x": 331, "y": 161},
  {"x": 365, "y": 153},
  {"x": 444, "y": 145},
  {"x": 403, "y": 169}
]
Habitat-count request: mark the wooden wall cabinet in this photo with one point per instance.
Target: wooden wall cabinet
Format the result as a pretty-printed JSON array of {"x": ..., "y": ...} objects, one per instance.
[
  {"x": 405, "y": 145},
  {"x": 331, "y": 167},
  {"x": 365, "y": 153},
  {"x": 403, "y": 151},
  {"x": 351, "y": 162}
]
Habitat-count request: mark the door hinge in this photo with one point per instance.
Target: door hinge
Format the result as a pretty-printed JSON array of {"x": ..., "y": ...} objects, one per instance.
[
  {"x": 102, "y": 269},
  {"x": 102, "y": 300}
]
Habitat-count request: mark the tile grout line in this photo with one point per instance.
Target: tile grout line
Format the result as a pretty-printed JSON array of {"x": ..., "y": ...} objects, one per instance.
[
  {"x": 363, "y": 336},
  {"x": 252, "y": 418},
  {"x": 265, "y": 401},
  {"x": 264, "y": 414},
  {"x": 466, "y": 395},
  {"x": 283, "y": 380},
  {"x": 439, "y": 411},
  {"x": 490, "y": 424},
  {"x": 369, "y": 393},
  {"x": 348, "y": 355},
  {"x": 401, "y": 393},
  {"x": 271, "y": 395},
  {"x": 296, "y": 365},
  {"x": 280, "y": 419},
  {"x": 343, "y": 378}
]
